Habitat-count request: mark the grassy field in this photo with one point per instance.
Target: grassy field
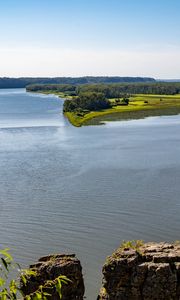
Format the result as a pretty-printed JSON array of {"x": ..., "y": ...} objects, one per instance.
[{"x": 140, "y": 106}]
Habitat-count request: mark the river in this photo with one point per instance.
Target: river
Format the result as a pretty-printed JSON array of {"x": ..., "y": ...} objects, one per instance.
[{"x": 84, "y": 190}]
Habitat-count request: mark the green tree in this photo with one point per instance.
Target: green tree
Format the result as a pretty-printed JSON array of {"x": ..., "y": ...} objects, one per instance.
[{"x": 91, "y": 101}]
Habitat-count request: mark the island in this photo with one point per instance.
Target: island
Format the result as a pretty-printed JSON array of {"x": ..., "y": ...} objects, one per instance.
[{"x": 92, "y": 104}]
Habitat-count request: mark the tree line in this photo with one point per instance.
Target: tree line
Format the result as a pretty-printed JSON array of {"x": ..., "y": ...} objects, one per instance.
[
  {"x": 52, "y": 87},
  {"x": 22, "y": 82},
  {"x": 93, "y": 97},
  {"x": 112, "y": 90}
]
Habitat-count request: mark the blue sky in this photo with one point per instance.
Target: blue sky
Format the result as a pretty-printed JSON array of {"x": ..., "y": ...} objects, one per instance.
[{"x": 76, "y": 38}]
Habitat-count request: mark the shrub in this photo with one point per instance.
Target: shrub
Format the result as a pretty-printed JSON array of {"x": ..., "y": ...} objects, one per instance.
[{"x": 10, "y": 288}]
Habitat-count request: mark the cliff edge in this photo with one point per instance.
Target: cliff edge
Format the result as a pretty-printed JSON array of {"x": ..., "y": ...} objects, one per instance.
[
  {"x": 52, "y": 266},
  {"x": 148, "y": 271}
]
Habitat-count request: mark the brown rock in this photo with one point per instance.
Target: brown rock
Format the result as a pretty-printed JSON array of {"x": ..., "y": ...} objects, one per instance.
[
  {"x": 149, "y": 272},
  {"x": 52, "y": 266}
]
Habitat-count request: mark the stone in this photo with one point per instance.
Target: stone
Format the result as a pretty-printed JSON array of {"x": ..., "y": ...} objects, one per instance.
[
  {"x": 50, "y": 267},
  {"x": 148, "y": 272}
]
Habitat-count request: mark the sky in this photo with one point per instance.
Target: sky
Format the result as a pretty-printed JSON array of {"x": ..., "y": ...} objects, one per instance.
[{"x": 98, "y": 37}]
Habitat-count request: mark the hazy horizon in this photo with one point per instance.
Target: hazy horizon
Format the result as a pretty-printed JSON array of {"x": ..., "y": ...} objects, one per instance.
[
  {"x": 125, "y": 76},
  {"x": 98, "y": 38}
]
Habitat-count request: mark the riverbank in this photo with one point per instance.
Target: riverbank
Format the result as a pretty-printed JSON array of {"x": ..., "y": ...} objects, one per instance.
[
  {"x": 52, "y": 92},
  {"x": 140, "y": 106}
]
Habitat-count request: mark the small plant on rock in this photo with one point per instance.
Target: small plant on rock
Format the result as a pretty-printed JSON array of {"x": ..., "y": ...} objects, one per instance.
[
  {"x": 134, "y": 244},
  {"x": 11, "y": 289}
]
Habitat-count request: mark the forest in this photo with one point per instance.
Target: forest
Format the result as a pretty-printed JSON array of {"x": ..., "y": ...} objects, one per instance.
[
  {"x": 113, "y": 90},
  {"x": 22, "y": 82}
]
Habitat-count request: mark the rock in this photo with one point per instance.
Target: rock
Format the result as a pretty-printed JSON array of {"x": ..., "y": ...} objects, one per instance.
[
  {"x": 52, "y": 266},
  {"x": 146, "y": 272}
]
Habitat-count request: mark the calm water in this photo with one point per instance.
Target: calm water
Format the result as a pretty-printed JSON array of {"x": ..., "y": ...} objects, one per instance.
[{"x": 84, "y": 190}]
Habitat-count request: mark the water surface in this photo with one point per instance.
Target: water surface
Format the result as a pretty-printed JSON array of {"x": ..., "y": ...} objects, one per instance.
[{"x": 84, "y": 190}]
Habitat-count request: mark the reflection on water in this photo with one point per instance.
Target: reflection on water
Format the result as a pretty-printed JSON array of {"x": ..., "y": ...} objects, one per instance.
[{"x": 84, "y": 190}]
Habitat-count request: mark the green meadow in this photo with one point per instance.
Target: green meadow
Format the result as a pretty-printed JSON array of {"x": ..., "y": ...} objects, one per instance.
[{"x": 140, "y": 106}]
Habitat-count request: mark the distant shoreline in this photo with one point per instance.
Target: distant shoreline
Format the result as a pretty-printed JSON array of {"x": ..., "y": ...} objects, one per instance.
[
  {"x": 99, "y": 118},
  {"x": 134, "y": 111},
  {"x": 141, "y": 114},
  {"x": 93, "y": 104}
]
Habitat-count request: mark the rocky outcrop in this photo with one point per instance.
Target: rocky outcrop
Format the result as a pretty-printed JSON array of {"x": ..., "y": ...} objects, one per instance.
[
  {"x": 49, "y": 268},
  {"x": 146, "y": 272},
  {"x": 135, "y": 271}
]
